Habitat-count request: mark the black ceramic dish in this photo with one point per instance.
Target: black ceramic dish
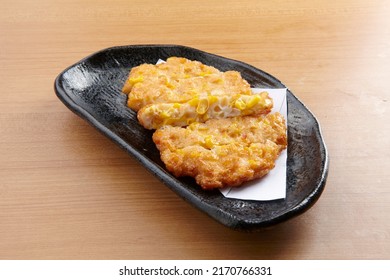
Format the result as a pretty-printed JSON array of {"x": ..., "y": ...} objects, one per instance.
[{"x": 92, "y": 87}]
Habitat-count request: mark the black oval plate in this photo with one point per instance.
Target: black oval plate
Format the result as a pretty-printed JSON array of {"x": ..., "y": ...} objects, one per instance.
[{"x": 92, "y": 87}]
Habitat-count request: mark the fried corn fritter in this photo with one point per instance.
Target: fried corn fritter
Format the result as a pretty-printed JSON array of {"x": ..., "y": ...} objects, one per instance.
[
  {"x": 223, "y": 152},
  {"x": 198, "y": 109},
  {"x": 179, "y": 80},
  {"x": 183, "y": 91}
]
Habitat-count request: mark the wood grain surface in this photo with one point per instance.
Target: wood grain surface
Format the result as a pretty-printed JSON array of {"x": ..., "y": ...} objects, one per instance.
[{"x": 66, "y": 192}]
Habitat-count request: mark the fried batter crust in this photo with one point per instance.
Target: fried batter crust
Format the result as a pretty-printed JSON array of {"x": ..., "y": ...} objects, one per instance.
[
  {"x": 223, "y": 152},
  {"x": 179, "y": 80}
]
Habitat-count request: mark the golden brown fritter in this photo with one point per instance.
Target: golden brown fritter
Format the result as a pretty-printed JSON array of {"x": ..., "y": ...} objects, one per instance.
[
  {"x": 223, "y": 152},
  {"x": 179, "y": 80},
  {"x": 154, "y": 116}
]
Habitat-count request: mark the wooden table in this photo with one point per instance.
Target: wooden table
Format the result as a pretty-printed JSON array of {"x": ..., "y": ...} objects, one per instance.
[{"x": 67, "y": 192}]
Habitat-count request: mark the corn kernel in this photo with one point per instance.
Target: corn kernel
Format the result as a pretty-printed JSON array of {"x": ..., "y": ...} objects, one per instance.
[
  {"x": 164, "y": 115},
  {"x": 194, "y": 154},
  {"x": 253, "y": 101},
  {"x": 240, "y": 104},
  {"x": 169, "y": 85},
  {"x": 203, "y": 106},
  {"x": 135, "y": 80},
  {"x": 194, "y": 101},
  {"x": 212, "y": 99},
  {"x": 208, "y": 142}
]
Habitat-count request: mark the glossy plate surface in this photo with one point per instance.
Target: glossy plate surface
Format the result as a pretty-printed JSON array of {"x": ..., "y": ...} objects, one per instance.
[{"x": 92, "y": 87}]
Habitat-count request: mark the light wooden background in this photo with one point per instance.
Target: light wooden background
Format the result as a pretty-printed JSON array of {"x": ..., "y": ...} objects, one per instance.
[{"x": 66, "y": 192}]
